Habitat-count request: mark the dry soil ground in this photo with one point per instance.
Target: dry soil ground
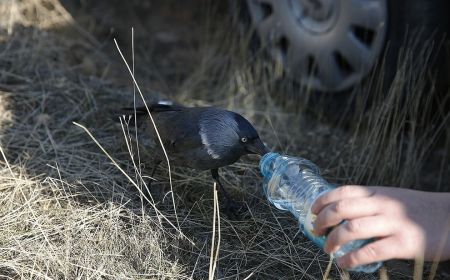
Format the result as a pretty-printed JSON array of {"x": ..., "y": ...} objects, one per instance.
[{"x": 66, "y": 211}]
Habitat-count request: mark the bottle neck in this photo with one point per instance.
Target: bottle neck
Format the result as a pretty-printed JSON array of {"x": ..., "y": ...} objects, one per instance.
[{"x": 266, "y": 164}]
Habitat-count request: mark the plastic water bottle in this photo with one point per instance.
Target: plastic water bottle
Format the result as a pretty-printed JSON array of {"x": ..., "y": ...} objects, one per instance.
[{"x": 293, "y": 184}]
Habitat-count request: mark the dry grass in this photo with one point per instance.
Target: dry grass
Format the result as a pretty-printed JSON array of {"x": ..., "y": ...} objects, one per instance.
[{"x": 67, "y": 212}]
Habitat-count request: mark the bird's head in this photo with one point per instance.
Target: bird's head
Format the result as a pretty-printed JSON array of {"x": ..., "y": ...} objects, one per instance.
[
  {"x": 227, "y": 134},
  {"x": 249, "y": 139}
]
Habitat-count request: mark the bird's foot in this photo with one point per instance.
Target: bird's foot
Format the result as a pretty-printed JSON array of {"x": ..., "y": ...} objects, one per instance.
[
  {"x": 254, "y": 202},
  {"x": 233, "y": 210}
]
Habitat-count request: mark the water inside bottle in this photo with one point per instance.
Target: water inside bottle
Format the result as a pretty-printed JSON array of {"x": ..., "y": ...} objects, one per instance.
[
  {"x": 289, "y": 191},
  {"x": 293, "y": 184}
]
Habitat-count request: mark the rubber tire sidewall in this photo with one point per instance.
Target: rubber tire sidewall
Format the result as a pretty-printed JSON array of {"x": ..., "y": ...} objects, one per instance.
[{"x": 425, "y": 19}]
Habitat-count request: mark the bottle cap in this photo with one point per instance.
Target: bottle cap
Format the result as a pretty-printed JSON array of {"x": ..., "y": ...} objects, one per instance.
[{"x": 266, "y": 164}]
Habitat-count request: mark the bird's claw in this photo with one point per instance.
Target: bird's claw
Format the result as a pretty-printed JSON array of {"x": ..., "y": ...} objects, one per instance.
[{"x": 233, "y": 210}]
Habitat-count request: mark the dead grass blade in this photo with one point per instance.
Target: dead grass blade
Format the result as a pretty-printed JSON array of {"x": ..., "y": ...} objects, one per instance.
[
  {"x": 214, "y": 257},
  {"x": 157, "y": 133},
  {"x": 132, "y": 182}
]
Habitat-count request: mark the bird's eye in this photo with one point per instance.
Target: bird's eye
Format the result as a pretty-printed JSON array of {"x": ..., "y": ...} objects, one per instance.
[{"x": 244, "y": 139}]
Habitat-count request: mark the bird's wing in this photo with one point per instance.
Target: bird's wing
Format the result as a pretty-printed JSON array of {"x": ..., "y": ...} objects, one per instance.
[
  {"x": 179, "y": 129},
  {"x": 128, "y": 113}
]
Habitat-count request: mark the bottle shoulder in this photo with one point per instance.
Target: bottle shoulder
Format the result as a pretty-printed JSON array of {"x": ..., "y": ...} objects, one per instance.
[{"x": 283, "y": 162}]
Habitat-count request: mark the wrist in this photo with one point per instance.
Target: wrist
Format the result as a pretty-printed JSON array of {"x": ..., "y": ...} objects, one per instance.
[{"x": 443, "y": 204}]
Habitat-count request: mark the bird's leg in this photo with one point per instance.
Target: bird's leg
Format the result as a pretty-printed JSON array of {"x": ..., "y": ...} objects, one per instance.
[
  {"x": 156, "y": 163},
  {"x": 216, "y": 177},
  {"x": 230, "y": 204}
]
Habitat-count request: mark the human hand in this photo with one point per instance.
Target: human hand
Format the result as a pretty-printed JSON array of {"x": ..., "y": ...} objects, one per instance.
[{"x": 405, "y": 223}]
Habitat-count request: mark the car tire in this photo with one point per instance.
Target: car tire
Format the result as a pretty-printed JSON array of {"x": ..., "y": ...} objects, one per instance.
[{"x": 411, "y": 26}]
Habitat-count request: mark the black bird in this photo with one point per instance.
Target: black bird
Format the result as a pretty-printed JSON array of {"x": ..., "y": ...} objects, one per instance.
[{"x": 202, "y": 138}]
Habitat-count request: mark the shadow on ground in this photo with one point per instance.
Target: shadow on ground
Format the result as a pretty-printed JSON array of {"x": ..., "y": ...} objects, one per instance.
[{"x": 83, "y": 216}]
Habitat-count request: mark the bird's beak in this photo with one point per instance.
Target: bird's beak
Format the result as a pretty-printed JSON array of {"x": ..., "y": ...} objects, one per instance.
[{"x": 258, "y": 147}]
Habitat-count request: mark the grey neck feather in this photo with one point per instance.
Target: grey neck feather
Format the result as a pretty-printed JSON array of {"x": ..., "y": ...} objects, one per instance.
[{"x": 218, "y": 131}]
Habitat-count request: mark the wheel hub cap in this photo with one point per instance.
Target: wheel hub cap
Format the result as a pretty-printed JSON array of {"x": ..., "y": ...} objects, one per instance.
[
  {"x": 327, "y": 45},
  {"x": 316, "y": 16}
]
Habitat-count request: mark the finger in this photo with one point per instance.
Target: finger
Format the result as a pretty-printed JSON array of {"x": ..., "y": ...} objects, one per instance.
[
  {"x": 339, "y": 194},
  {"x": 380, "y": 250},
  {"x": 362, "y": 228},
  {"x": 346, "y": 209}
]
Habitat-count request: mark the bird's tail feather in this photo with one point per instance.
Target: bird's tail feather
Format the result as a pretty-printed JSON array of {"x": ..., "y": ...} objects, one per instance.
[
  {"x": 128, "y": 113},
  {"x": 152, "y": 107}
]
